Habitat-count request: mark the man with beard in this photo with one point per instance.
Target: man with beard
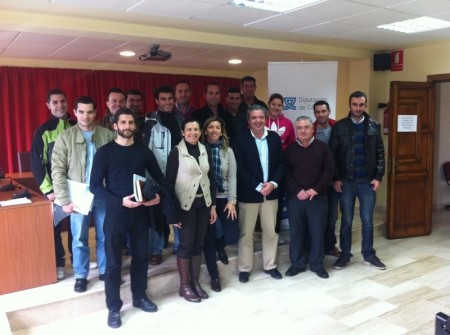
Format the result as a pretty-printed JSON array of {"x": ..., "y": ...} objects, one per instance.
[{"x": 115, "y": 164}]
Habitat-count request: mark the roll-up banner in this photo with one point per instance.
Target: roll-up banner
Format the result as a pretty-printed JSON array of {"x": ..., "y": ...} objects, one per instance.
[{"x": 302, "y": 84}]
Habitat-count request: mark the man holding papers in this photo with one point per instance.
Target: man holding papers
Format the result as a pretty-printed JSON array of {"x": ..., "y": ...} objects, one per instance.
[
  {"x": 112, "y": 181},
  {"x": 72, "y": 159}
]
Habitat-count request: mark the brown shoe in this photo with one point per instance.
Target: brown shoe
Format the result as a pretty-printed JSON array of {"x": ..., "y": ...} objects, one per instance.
[
  {"x": 155, "y": 259},
  {"x": 334, "y": 252}
]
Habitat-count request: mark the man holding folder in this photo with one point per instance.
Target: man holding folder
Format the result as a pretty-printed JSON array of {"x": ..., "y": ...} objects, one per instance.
[{"x": 72, "y": 159}]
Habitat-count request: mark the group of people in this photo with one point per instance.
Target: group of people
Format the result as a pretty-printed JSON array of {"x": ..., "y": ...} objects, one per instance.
[{"x": 221, "y": 169}]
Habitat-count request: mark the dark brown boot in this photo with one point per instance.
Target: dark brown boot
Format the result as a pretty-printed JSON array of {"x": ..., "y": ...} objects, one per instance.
[
  {"x": 195, "y": 275},
  {"x": 185, "y": 289}
]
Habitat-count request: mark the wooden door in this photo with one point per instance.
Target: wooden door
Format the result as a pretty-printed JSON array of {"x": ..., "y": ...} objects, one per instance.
[{"x": 410, "y": 160}]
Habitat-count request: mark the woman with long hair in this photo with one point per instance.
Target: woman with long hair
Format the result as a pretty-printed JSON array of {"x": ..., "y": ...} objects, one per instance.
[{"x": 226, "y": 230}]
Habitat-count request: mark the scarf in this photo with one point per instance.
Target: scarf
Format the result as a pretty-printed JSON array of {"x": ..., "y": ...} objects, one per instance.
[{"x": 217, "y": 164}]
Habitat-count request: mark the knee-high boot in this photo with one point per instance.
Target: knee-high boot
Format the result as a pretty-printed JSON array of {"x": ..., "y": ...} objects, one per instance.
[
  {"x": 195, "y": 275},
  {"x": 185, "y": 289}
]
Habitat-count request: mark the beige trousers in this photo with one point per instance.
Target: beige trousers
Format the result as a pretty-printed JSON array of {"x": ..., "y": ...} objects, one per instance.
[{"x": 248, "y": 213}]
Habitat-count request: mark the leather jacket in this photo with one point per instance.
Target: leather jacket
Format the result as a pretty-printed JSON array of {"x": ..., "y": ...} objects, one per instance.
[{"x": 342, "y": 147}]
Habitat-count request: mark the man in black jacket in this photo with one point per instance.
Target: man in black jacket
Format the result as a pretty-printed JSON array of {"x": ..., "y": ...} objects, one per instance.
[
  {"x": 358, "y": 152},
  {"x": 260, "y": 169},
  {"x": 41, "y": 152}
]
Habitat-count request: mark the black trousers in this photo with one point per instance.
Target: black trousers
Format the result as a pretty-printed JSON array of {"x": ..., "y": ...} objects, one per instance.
[
  {"x": 307, "y": 217},
  {"x": 209, "y": 251},
  {"x": 135, "y": 223},
  {"x": 194, "y": 223}
]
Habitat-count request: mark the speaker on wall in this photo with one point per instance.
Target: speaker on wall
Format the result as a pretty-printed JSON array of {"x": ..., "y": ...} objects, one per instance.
[{"x": 382, "y": 61}]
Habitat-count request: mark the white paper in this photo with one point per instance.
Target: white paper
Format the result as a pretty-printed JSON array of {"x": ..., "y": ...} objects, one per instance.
[
  {"x": 406, "y": 123},
  {"x": 80, "y": 197},
  {"x": 19, "y": 201}
]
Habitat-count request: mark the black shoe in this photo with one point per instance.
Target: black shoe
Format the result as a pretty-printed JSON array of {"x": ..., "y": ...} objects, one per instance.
[
  {"x": 243, "y": 276},
  {"x": 114, "y": 319},
  {"x": 145, "y": 304},
  {"x": 80, "y": 285},
  {"x": 375, "y": 262},
  {"x": 321, "y": 273},
  {"x": 293, "y": 271},
  {"x": 215, "y": 285},
  {"x": 341, "y": 262},
  {"x": 274, "y": 273},
  {"x": 222, "y": 256}
]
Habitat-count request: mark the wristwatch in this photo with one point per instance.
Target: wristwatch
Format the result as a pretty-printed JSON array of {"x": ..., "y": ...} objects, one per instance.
[{"x": 233, "y": 202}]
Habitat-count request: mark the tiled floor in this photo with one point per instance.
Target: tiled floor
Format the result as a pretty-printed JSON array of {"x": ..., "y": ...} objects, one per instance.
[{"x": 357, "y": 300}]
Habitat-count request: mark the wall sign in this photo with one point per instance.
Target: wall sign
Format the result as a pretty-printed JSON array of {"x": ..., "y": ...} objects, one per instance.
[{"x": 406, "y": 123}]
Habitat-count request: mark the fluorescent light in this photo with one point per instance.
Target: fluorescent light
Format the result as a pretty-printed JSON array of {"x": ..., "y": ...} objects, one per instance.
[
  {"x": 127, "y": 53},
  {"x": 276, "y": 5},
  {"x": 235, "y": 61},
  {"x": 416, "y": 25}
]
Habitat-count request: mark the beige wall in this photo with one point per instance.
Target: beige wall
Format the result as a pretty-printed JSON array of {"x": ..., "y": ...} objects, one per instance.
[{"x": 418, "y": 64}]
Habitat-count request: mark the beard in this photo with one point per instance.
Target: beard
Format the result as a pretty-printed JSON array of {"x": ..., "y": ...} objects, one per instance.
[{"x": 126, "y": 133}]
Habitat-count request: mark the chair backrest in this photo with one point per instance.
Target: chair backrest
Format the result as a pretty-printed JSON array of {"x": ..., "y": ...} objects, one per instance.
[
  {"x": 24, "y": 160},
  {"x": 446, "y": 167}
]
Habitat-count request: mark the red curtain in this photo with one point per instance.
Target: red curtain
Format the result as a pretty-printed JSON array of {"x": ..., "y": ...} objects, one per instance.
[{"x": 24, "y": 91}]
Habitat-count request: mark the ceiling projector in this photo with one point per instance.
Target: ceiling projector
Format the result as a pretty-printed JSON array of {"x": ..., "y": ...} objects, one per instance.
[{"x": 154, "y": 54}]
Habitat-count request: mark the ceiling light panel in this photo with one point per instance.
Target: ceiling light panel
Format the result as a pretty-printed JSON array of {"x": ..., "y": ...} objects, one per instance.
[
  {"x": 418, "y": 25},
  {"x": 276, "y": 6}
]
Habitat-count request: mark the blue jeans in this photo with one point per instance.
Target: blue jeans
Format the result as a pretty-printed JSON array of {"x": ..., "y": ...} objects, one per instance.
[
  {"x": 155, "y": 242},
  {"x": 176, "y": 238},
  {"x": 330, "y": 228},
  {"x": 79, "y": 225},
  {"x": 367, "y": 198}
]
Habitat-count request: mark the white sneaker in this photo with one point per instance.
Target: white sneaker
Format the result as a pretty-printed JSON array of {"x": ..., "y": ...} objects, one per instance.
[
  {"x": 93, "y": 265},
  {"x": 60, "y": 273}
]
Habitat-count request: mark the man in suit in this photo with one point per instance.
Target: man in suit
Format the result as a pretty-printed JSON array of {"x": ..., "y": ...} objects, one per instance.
[{"x": 260, "y": 167}]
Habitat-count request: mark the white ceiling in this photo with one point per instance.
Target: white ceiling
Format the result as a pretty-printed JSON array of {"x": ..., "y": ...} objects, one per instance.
[{"x": 204, "y": 34}]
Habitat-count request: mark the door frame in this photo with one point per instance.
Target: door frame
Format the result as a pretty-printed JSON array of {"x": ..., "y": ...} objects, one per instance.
[{"x": 433, "y": 80}]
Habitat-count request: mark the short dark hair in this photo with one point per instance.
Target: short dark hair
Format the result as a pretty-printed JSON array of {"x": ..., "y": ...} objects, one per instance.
[
  {"x": 247, "y": 78},
  {"x": 276, "y": 96},
  {"x": 190, "y": 119},
  {"x": 212, "y": 83},
  {"x": 183, "y": 82},
  {"x": 164, "y": 89},
  {"x": 123, "y": 111},
  {"x": 84, "y": 100},
  {"x": 133, "y": 91},
  {"x": 357, "y": 94},
  {"x": 256, "y": 107},
  {"x": 234, "y": 89},
  {"x": 321, "y": 102},
  {"x": 54, "y": 91},
  {"x": 116, "y": 90}
]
